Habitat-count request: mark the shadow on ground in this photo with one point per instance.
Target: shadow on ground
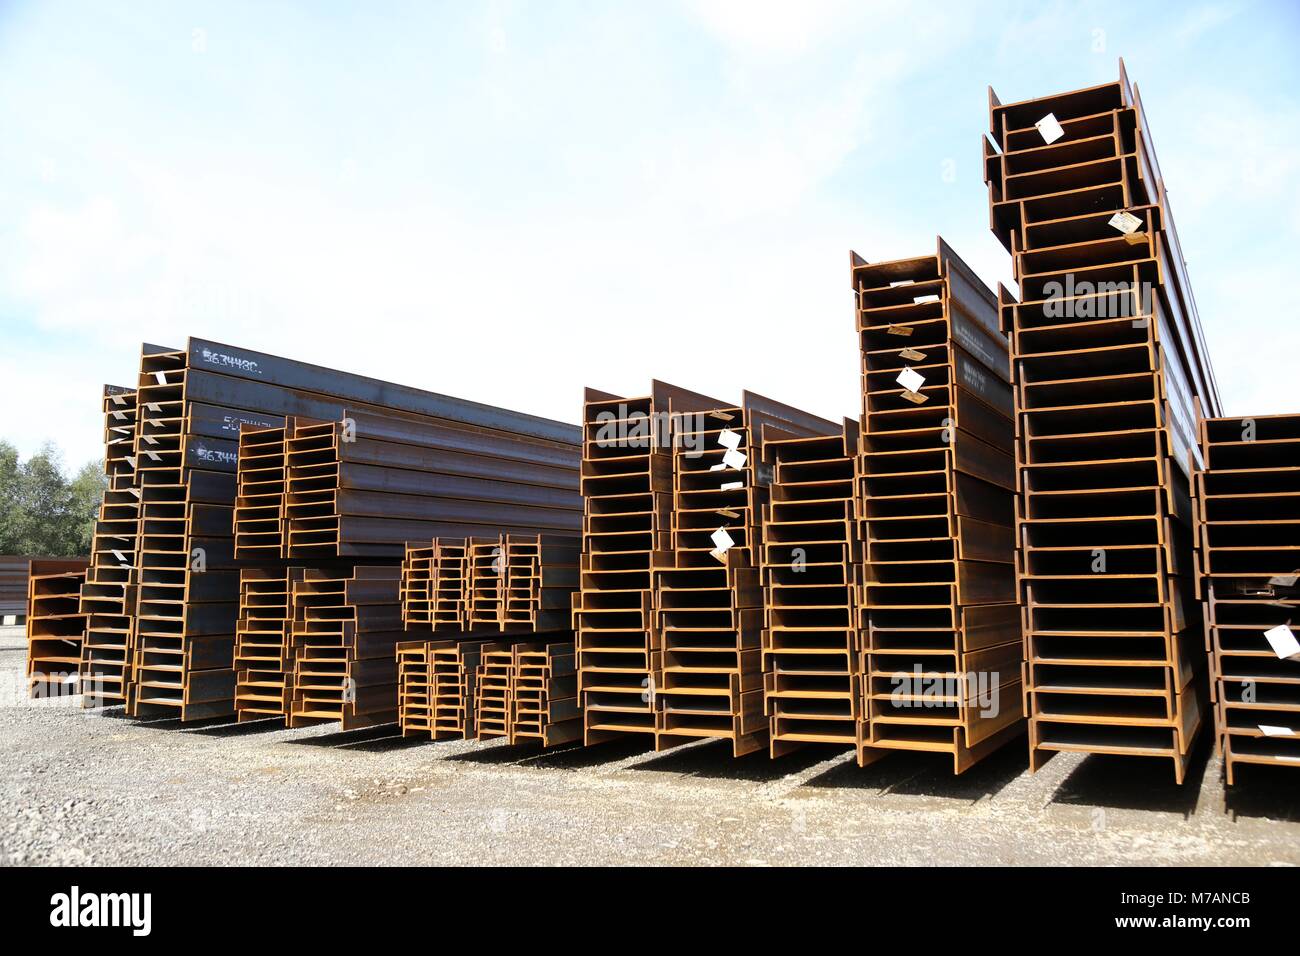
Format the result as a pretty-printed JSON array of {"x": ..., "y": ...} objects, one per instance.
[
  {"x": 572, "y": 756},
  {"x": 927, "y": 774},
  {"x": 1261, "y": 791},
  {"x": 1134, "y": 783},
  {"x": 712, "y": 759},
  {"x": 371, "y": 739},
  {"x": 225, "y": 727}
]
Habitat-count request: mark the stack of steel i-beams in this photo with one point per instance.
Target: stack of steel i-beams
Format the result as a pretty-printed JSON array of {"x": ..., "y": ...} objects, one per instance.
[
  {"x": 708, "y": 601},
  {"x": 1012, "y": 537},
  {"x": 810, "y": 638},
  {"x": 1248, "y": 566},
  {"x": 942, "y": 652},
  {"x": 1107, "y": 359},
  {"x": 340, "y": 469},
  {"x": 346, "y": 626},
  {"x": 627, "y": 483},
  {"x": 55, "y": 626},
  {"x": 187, "y": 591},
  {"x": 107, "y": 596},
  {"x": 490, "y": 598}
]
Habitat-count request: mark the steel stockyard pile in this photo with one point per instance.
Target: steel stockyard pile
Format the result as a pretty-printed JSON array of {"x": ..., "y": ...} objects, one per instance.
[
  {"x": 1039, "y": 515},
  {"x": 1108, "y": 362}
]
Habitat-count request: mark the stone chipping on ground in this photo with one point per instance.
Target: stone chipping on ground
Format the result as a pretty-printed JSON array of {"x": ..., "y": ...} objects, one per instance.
[{"x": 98, "y": 788}]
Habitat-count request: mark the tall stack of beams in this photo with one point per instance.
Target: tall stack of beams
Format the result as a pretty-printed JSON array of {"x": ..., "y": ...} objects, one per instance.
[
  {"x": 1108, "y": 360},
  {"x": 107, "y": 596},
  {"x": 942, "y": 651}
]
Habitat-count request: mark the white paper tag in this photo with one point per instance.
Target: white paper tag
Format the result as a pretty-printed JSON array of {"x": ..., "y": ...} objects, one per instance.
[
  {"x": 732, "y": 485},
  {"x": 134, "y": 491},
  {"x": 1050, "y": 128},
  {"x": 728, "y": 438},
  {"x": 718, "y": 467},
  {"x": 120, "y": 416},
  {"x": 150, "y": 439},
  {"x": 721, "y": 540},
  {"x": 130, "y": 460},
  {"x": 910, "y": 379},
  {"x": 1125, "y": 222},
  {"x": 119, "y": 555},
  {"x": 160, "y": 377},
  {"x": 1283, "y": 641},
  {"x": 118, "y": 399},
  {"x": 734, "y": 459},
  {"x": 153, "y": 407},
  {"x": 718, "y": 555},
  {"x": 153, "y": 455},
  {"x": 1284, "y": 580},
  {"x": 1268, "y": 730}
]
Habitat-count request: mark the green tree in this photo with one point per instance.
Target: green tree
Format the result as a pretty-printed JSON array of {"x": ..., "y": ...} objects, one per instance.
[{"x": 41, "y": 511}]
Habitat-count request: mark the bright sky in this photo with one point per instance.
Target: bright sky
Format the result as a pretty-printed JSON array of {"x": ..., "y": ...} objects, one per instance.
[{"x": 509, "y": 201}]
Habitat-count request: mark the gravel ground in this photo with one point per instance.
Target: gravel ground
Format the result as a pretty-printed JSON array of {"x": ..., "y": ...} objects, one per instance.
[{"x": 97, "y": 788}]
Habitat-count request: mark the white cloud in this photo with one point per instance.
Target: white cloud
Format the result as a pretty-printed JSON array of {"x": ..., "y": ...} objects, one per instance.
[{"x": 773, "y": 28}]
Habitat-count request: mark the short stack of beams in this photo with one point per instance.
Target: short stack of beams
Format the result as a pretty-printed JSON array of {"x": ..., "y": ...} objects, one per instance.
[
  {"x": 417, "y": 586},
  {"x": 486, "y": 605},
  {"x": 1248, "y": 564},
  {"x": 55, "y": 626},
  {"x": 1108, "y": 362},
  {"x": 261, "y": 485},
  {"x": 544, "y": 694},
  {"x": 346, "y": 627},
  {"x": 264, "y": 642},
  {"x": 493, "y": 697},
  {"x": 453, "y": 681},
  {"x": 541, "y": 575},
  {"x": 942, "y": 650},
  {"x": 414, "y": 682},
  {"x": 450, "y": 587}
]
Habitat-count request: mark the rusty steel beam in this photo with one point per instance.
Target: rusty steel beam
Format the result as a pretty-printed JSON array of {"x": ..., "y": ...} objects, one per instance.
[
  {"x": 941, "y": 643},
  {"x": 264, "y": 642},
  {"x": 345, "y": 629},
  {"x": 421, "y": 464},
  {"x": 1247, "y": 508},
  {"x": 544, "y": 704},
  {"x": 414, "y": 688},
  {"x": 708, "y": 613},
  {"x": 107, "y": 596},
  {"x": 1109, "y": 367},
  {"x": 811, "y": 642},
  {"x": 55, "y": 626},
  {"x": 626, "y": 489}
]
